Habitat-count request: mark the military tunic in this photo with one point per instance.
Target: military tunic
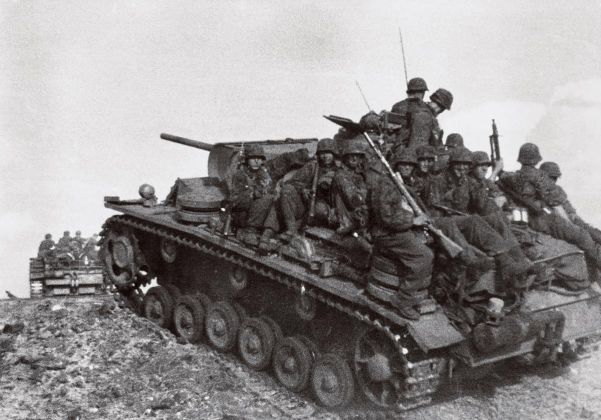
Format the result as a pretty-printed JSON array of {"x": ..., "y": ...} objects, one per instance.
[
  {"x": 251, "y": 196},
  {"x": 46, "y": 247},
  {"x": 535, "y": 190},
  {"x": 395, "y": 239},
  {"x": 349, "y": 196},
  {"x": 294, "y": 203}
]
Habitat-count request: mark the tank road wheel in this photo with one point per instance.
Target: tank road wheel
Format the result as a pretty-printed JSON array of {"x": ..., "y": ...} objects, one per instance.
[
  {"x": 173, "y": 290},
  {"x": 256, "y": 341},
  {"x": 188, "y": 318},
  {"x": 332, "y": 381},
  {"x": 168, "y": 250},
  {"x": 158, "y": 306},
  {"x": 204, "y": 301},
  {"x": 221, "y": 325},
  {"x": 277, "y": 331},
  {"x": 119, "y": 260},
  {"x": 378, "y": 368},
  {"x": 292, "y": 363}
]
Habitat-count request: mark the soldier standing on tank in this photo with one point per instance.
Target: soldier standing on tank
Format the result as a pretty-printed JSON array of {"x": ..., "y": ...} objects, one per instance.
[
  {"x": 311, "y": 183},
  {"x": 552, "y": 170},
  {"x": 349, "y": 188},
  {"x": 394, "y": 232},
  {"x": 531, "y": 188},
  {"x": 423, "y": 124},
  {"x": 46, "y": 248},
  {"x": 480, "y": 166},
  {"x": 251, "y": 193}
]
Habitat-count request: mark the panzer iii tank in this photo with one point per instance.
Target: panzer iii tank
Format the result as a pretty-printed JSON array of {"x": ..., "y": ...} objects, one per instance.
[{"x": 302, "y": 313}]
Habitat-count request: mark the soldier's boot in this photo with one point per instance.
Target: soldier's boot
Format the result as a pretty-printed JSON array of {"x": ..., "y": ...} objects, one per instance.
[
  {"x": 265, "y": 242},
  {"x": 405, "y": 307},
  {"x": 288, "y": 216}
]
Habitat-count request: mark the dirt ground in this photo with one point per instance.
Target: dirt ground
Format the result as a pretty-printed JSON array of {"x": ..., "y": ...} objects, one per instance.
[{"x": 90, "y": 359}]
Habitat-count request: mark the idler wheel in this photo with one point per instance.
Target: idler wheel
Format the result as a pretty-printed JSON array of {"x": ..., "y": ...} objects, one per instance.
[
  {"x": 292, "y": 362},
  {"x": 188, "y": 318},
  {"x": 379, "y": 368},
  {"x": 168, "y": 250},
  {"x": 221, "y": 325},
  {"x": 332, "y": 381},
  {"x": 158, "y": 306},
  {"x": 119, "y": 260},
  {"x": 256, "y": 341}
]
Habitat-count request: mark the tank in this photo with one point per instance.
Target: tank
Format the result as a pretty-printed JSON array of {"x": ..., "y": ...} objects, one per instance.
[
  {"x": 302, "y": 313},
  {"x": 53, "y": 277}
]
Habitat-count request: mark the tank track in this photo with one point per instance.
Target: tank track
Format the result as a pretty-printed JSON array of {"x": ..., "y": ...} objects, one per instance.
[{"x": 422, "y": 378}]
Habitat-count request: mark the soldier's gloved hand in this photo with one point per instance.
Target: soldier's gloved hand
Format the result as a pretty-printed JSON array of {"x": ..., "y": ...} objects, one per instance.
[{"x": 421, "y": 220}]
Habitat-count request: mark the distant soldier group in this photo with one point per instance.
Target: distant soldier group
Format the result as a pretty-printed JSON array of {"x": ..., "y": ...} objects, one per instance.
[
  {"x": 347, "y": 190},
  {"x": 69, "y": 249}
]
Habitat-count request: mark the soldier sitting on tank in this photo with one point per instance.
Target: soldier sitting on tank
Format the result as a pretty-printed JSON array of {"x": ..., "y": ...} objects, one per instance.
[
  {"x": 453, "y": 197},
  {"x": 90, "y": 248},
  {"x": 47, "y": 247},
  {"x": 531, "y": 188},
  {"x": 251, "y": 194},
  {"x": 480, "y": 166},
  {"x": 442, "y": 159},
  {"x": 349, "y": 188},
  {"x": 306, "y": 196},
  {"x": 397, "y": 243},
  {"x": 552, "y": 170}
]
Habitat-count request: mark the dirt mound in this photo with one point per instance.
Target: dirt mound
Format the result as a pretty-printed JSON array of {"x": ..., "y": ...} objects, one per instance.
[{"x": 89, "y": 358}]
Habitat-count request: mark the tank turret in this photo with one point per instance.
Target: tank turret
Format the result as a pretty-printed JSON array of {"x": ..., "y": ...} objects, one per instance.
[{"x": 223, "y": 156}]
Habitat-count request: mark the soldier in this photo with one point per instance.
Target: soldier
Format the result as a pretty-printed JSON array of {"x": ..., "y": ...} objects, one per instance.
[
  {"x": 552, "y": 170},
  {"x": 480, "y": 165},
  {"x": 531, "y": 188},
  {"x": 251, "y": 193},
  {"x": 309, "y": 186},
  {"x": 90, "y": 248},
  {"x": 477, "y": 218},
  {"x": 64, "y": 243},
  {"x": 79, "y": 239},
  {"x": 424, "y": 125},
  {"x": 46, "y": 248},
  {"x": 425, "y": 161},
  {"x": 454, "y": 140},
  {"x": 395, "y": 239},
  {"x": 349, "y": 188}
]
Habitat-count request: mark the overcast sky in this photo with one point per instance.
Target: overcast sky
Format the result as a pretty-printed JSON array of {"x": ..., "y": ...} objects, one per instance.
[{"x": 88, "y": 86}]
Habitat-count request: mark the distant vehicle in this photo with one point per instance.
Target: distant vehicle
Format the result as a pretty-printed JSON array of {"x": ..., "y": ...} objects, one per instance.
[{"x": 50, "y": 276}]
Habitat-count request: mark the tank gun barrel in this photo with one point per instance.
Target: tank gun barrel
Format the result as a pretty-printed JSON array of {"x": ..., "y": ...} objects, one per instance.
[{"x": 187, "y": 142}]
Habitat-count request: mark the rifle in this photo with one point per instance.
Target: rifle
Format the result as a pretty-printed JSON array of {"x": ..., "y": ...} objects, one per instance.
[
  {"x": 450, "y": 247},
  {"x": 495, "y": 150},
  {"x": 313, "y": 194},
  {"x": 449, "y": 210}
]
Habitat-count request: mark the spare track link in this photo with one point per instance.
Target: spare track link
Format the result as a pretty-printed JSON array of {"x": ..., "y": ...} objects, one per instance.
[{"x": 420, "y": 381}]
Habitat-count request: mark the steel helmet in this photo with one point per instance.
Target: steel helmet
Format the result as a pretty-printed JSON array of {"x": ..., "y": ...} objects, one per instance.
[
  {"x": 254, "y": 151},
  {"x": 353, "y": 146},
  {"x": 529, "y": 154},
  {"x": 461, "y": 155},
  {"x": 404, "y": 155},
  {"x": 417, "y": 84},
  {"x": 551, "y": 169},
  {"x": 326, "y": 145},
  {"x": 480, "y": 158},
  {"x": 442, "y": 97},
  {"x": 454, "y": 140},
  {"x": 425, "y": 152}
]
